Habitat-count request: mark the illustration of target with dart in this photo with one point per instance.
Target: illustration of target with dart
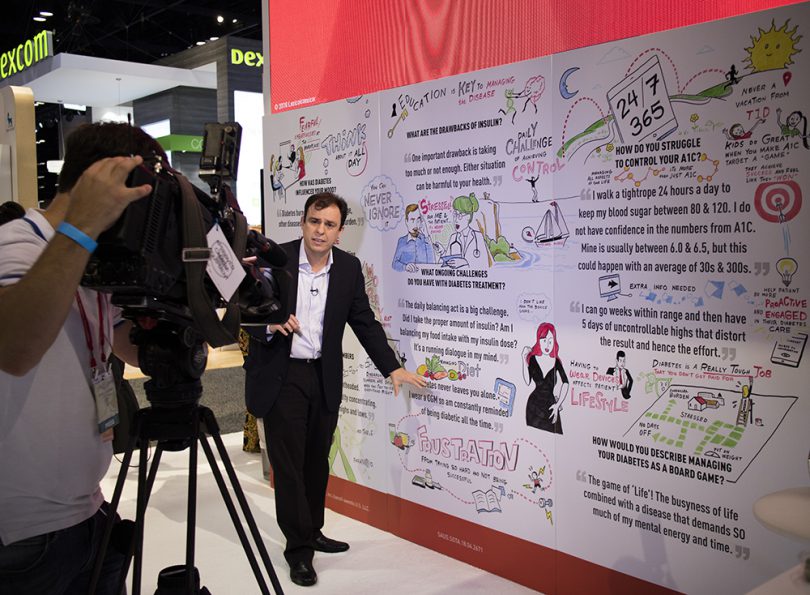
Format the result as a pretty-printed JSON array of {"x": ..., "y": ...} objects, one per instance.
[{"x": 779, "y": 202}]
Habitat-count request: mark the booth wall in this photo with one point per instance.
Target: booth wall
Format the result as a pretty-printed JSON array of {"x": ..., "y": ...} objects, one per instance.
[{"x": 642, "y": 196}]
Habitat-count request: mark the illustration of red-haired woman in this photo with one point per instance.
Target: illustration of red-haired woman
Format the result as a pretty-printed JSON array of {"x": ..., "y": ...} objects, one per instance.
[{"x": 544, "y": 368}]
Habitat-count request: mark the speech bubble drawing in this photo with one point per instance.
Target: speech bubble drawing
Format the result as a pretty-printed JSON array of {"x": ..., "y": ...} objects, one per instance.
[
  {"x": 382, "y": 204},
  {"x": 534, "y": 306}
]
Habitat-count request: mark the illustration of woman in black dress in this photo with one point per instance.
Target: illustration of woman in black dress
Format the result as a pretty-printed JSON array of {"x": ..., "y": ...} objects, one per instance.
[{"x": 544, "y": 368}]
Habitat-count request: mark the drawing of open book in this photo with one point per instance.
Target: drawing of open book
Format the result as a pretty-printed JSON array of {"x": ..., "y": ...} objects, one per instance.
[{"x": 489, "y": 501}]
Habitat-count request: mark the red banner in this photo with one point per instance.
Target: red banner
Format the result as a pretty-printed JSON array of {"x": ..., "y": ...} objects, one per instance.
[{"x": 324, "y": 51}]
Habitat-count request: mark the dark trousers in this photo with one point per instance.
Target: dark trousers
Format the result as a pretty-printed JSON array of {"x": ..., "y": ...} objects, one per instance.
[
  {"x": 299, "y": 430},
  {"x": 60, "y": 562}
]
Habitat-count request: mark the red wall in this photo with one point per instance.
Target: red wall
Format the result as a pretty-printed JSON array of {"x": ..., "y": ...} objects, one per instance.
[{"x": 326, "y": 50}]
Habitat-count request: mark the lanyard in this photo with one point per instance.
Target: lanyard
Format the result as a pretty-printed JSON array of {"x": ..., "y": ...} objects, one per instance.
[{"x": 88, "y": 335}]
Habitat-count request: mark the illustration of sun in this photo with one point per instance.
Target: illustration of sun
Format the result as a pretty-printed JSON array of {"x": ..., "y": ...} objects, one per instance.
[{"x": 773, "y": 49}]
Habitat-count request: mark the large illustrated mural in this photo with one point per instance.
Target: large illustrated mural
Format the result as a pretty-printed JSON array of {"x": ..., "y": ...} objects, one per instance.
[{"x": 595, "y": 258}]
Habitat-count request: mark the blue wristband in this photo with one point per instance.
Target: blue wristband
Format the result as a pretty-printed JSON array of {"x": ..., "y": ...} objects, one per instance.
[{"x": 78, "y": 236}]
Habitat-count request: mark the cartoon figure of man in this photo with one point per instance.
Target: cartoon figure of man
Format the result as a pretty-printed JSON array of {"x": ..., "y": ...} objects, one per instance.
[
  {"x": 731, "y": 75},
  {"x": 292, "y": 156},
  {"x": 533, "y": 182},
  {"x": 510, "y": 104},
  {"x": 620, "y": 370},
  {"x": 413, "y": 248}
]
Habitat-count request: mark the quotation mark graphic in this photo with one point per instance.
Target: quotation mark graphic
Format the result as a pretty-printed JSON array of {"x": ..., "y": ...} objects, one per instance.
[
  {"x": 762, "y": 268},
  {"x": 575, "y": 307},
  {"x": 729, "y": 353}
]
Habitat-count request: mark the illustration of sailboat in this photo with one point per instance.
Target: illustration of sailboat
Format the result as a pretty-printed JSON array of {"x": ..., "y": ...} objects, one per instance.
[{"x": 552, "y": 230}]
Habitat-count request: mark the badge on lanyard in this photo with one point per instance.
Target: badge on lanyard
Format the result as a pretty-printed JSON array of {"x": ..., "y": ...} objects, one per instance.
[
  {"x": 103, "y": 387},
  {"x": 102, "y": 384}
]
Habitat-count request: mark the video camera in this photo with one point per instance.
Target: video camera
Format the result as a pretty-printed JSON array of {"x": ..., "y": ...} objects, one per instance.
[{"x": 153, "y": 261}]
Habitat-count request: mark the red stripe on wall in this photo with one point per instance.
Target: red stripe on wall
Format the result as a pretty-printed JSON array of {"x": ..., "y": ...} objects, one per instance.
[
  {"x": 333, "y": 49},
  {"x": 535, "y": 566}
]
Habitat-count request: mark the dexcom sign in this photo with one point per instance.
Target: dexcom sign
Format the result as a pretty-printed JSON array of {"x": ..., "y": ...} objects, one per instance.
[
  {"x": 26, "y": 54},
  {"x": 249, "y": 58}
]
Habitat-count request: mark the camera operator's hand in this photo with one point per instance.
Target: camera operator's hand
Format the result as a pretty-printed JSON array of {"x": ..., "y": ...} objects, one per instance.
[
  {"x": 101, "y": 194},
  {"x": 36, "y": 306},
  {"x": 291, "y": 326}
]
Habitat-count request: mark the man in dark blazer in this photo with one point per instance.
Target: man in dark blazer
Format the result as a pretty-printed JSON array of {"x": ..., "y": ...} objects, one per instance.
[
  {"x": 622, "y": 373},
  {"x": 294, "y": 374}
]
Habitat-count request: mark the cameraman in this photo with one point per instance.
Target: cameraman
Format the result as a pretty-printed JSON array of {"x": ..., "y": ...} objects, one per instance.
[{"x": 54, "y": 348}]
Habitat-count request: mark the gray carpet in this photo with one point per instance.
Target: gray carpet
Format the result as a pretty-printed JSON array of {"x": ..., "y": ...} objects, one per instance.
[{"x": 223, "y": 393}]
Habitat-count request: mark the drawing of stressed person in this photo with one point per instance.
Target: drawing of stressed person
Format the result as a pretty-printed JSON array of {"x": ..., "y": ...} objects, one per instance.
[
  {"x": 276, "y": 177},
  {"x": 414, "y": 247},
  {"x": 544, "y": 368},
  {"x": 466, "y": 246}
]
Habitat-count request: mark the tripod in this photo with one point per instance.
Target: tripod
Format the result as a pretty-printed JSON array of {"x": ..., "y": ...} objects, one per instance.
[{"x": 177, "y": 421}]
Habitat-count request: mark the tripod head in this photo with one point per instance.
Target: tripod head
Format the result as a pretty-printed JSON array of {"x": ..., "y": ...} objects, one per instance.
[{"x": 174, "y": 355}]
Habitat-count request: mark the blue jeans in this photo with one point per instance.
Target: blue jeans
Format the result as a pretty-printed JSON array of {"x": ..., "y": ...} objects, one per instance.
[{"x": 60, "y": 562}]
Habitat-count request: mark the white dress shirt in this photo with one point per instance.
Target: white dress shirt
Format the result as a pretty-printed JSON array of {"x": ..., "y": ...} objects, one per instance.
[{"x": 309, "y": 307}]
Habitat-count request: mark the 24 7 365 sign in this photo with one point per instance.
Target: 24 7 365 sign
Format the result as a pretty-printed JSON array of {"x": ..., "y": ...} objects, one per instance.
[
  {"x": 640, "y": 104},
  {"x": 26, "y": 54}
]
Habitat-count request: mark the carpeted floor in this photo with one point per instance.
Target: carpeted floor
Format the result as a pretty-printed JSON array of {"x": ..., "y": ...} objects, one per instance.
[{"x": 223, "y": 393}]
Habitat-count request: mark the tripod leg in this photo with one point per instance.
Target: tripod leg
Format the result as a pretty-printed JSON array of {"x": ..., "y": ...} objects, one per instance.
[
  {"x": 191, "y": 519},
  {"x": 119, "y": 488},
  {"x": 213, "y": 430},
  {"x": 143, "y": 497},
  {"x": 153, "y": 469},
  {"x": 240, "y": 531},
  {"x": 130, "y": 551}
]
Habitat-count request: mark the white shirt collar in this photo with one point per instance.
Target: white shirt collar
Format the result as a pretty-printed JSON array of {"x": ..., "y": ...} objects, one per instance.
[{"x": 303, "y": 261}]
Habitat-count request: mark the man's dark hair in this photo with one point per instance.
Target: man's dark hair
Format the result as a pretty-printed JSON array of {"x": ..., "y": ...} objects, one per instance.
[
  {"x": 10, "y": 210},
  {"x": 619, "y": 354},
  {"x": 327, "y": 199},
  {"x": 91, "y": 142}
]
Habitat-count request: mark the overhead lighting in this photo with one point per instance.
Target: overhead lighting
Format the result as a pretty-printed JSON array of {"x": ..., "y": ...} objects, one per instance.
[
  {"x": 40, "y": 19},
  {"x": 75, "y": 106},
  {"x": 235, "y": 21},
  {"x": 200, "y": 43},
  {"x": 220, "y": 19},
  {"x": 213, "y": 38},
  {"x": 45, "y": 13}
]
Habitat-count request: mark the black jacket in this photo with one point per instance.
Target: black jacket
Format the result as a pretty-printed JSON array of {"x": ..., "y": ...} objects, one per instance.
[{"x": 346, "y": 302}]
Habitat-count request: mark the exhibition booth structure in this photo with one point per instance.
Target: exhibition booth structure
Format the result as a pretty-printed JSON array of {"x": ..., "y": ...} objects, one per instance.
[
  {"x": 171, "y": 99},
  {"x": 595, "y": 257}
]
